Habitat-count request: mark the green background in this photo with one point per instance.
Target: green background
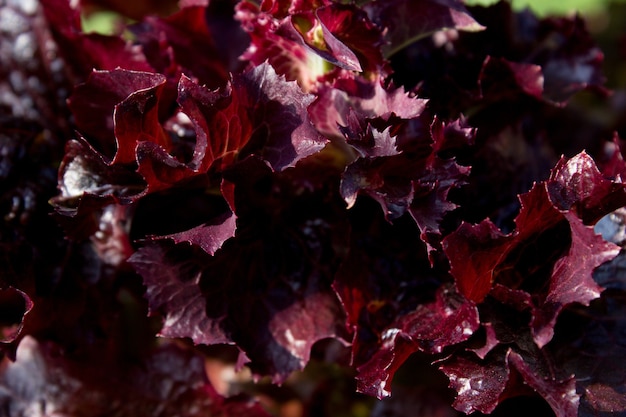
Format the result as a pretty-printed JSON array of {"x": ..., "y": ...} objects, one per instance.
[{"x": 544, "y": 7}]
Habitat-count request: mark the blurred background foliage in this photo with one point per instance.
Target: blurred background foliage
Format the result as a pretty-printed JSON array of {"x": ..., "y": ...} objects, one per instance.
[
  {"x": 606, "y": 21},
  {"x": 101, "y": 19},
  {"x": 547, "y": 7}
]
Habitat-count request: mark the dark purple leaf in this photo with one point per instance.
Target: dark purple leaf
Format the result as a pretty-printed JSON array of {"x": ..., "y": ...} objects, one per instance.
[
  {"x": 366, "y": 116},
  {"x": 491, "y": 341},
  {"x": 417, "y": 182},
  {"x": 449, "y": 136},
  {"x": 550, "y": 59},
  {"x": 529, "y": 261},
  {"x": 319, "y": 38},
  {"x": 276, "y": 304},
  {"x": 160, "y": 169},
  {"x": 351, "y": 26},
  {"x": 136, "y": 120},
  {"x": 368, "y": 176},
  {"x": 386, "y": 274},
  {"x": 87, "y": 184},
  {"x": 430, "y": 204},
  {"x": 275, "y": 40},
  {"x": 209, "y": 237},
  {"x": 500, "y": 77},
  {"x": 482, "y": 385},
  {"x": 590, "y": 343},
  {"x": 16, "y": 305},
  {"x": 407, "y": 21},
  {"x": 449, "y": 320},
  {"x": 438, "y": 177},
  {"x": 343, "y": 35},
  {"x": 370, "y": 142},
  {"x": 95, "y": 118},
  {"x": 375, "y": 376},
  {"x": 185, "y": 43},
  {"x": 303, "y": 41},
  {"x": 561, "y": 395},
  {"x": 220, "y": 120},
  {"x": 474, "y": 252},
  {"x": 277, "y": 331},
  {"x": 563, "y": 285},
  {"x": 572, "y": 280},
  {"x": 86, "y": 52},
  {"x": 479, "y": 386},
  {"x": 260, "y": 114},
  {"x": 172, "y": 289},
  {"x": 577, "y": 185},
  {"x": 282, "y": 132},
  {"x": 366, "y": 100},
  {"x": 228, "y": 36},
  {"x": 604, "y": 399}
]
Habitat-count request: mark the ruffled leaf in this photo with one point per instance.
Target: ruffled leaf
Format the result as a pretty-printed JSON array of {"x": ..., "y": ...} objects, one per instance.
[
  {"x": 343, "y": 35},
  {"x": 276, "y": 304},
  {"x": 447, "y": 321},
  {"x": 482, "y": 385},
  {"x": 366, "y": 100},
  {"x": 16, "y": 305},
  {"x": 173, "y": 290},
  {"x": 527, "y": 260},
  {"x": 577, "y": 185},
  {"x": 189, "y": 42},
  {"x": 95, "y": 118},
  {"x": 479, "y": 387}
]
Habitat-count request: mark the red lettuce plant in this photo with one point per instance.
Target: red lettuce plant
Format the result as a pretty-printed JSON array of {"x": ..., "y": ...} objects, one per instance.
[{"x": 336, "y": 201}]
